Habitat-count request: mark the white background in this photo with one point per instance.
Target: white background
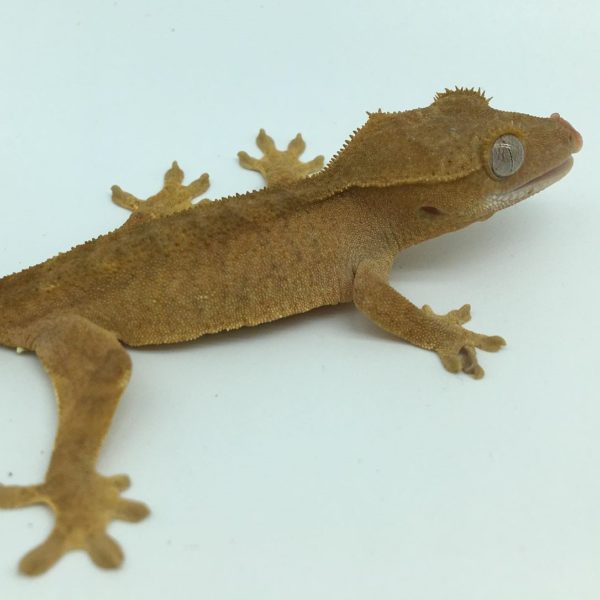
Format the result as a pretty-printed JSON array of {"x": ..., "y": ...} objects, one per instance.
[{"x": 316, "y": 458}]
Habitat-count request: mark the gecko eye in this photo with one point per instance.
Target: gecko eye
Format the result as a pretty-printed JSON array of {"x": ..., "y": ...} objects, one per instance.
[{"x": 508, "y": 155}]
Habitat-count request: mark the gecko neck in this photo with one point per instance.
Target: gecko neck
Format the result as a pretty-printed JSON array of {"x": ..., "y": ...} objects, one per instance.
[{"x": 406, "y": 214}]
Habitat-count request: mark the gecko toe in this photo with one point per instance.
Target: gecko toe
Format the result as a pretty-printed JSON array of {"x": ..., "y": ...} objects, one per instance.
[
  {"x": 16, "y": 496},
  {"x": 464, "y": 360},
  {"x": 451, "y": 362},
  {"x": 247, "y": 161},
  {"x": 130, "y": 510},
  {"x": 174, "y": 174},
  {"x": 44, "y": 556},
  {"x": 121, "y": 482},
  {"x": 104, "y": 550},
  {"x": 470, "y": 366},
  {"x": 461, "y": 315},
  {"x": 265, "y": 142},
  {"x": 297, "y": 146},
  {"x": 316, "y": 164},
  {"x": 490, "y": 343}
]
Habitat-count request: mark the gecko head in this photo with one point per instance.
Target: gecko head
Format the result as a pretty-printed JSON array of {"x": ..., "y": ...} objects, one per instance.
[
  {"x": 511, "y": 156},
  {"x": 463, "y": 159}
]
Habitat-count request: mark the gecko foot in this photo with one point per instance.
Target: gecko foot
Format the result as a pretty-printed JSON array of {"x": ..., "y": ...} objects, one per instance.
[
  {"x": 280, "y": 166},
  {"x": 173, "y": 197},
  {"x": 459, "y": 354},
  {"x": 83, "y": 505}
]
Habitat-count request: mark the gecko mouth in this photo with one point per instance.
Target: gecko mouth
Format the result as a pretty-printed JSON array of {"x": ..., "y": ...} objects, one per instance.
[{"x": 500, "y": 200}]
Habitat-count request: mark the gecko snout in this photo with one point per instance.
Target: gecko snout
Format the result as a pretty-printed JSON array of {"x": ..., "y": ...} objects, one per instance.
[{"x": 574, "y": 135}]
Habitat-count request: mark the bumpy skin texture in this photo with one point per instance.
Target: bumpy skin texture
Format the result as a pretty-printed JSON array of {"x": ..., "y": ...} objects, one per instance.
[{"x": 177, "y": 270}]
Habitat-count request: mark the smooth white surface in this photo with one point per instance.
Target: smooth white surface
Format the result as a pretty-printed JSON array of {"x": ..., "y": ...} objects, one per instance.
[{"x": 316, "y": 457}]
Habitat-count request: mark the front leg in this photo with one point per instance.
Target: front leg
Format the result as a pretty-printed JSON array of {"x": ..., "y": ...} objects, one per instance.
[
  {"x": 89, "y": 370},
  {"x": 443, "y": 334}
]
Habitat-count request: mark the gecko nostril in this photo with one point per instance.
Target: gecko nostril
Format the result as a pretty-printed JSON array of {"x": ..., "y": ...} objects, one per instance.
[{"x": 575, "y": 138}]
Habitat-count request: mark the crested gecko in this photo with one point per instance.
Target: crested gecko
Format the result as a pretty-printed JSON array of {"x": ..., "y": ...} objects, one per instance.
[{"x": 177, "y": 270}]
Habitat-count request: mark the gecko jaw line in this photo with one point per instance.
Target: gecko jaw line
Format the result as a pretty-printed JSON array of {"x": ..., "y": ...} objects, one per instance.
[{"x": 502, "y": 200}]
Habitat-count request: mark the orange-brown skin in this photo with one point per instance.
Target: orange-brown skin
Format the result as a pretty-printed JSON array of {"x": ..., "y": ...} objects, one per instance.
[{"x": 176, "y": 271}]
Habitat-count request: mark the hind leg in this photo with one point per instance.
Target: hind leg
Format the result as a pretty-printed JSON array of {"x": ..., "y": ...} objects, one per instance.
[
  {"x": 89, "y": 370},
  {"x": 280, "y": 167},
  {"x": 173, "y": 197}
]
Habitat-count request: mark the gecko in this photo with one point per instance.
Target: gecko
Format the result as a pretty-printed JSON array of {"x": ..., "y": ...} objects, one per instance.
[{"x": 178, "y": 269}]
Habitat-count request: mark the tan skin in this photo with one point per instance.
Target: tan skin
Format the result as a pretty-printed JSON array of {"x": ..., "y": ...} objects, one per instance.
[{"x": 176, "y": 271}]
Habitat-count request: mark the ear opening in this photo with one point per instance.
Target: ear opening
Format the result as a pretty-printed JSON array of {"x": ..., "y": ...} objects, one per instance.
[{"x": 431, "y": 211}]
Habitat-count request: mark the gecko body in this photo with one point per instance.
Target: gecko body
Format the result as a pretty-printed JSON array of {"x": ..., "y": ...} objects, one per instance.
[{"x": 176, "y": 271}]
